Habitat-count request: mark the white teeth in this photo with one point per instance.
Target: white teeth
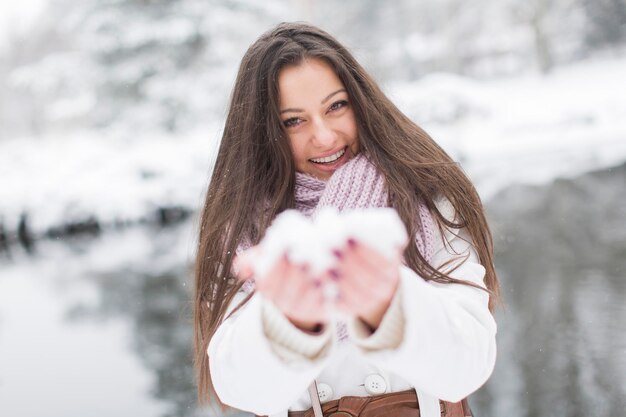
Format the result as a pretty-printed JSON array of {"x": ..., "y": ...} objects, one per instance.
[{"x": 331, "y": 158}]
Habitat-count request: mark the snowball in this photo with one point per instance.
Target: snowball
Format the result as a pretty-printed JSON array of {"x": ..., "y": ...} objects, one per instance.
[
  {"x": 379, "y": 228},
  {"x": 312, "y": 241}
]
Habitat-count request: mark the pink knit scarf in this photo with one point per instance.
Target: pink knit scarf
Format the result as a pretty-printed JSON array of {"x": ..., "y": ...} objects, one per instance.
[{"x": 357, "y": 185}]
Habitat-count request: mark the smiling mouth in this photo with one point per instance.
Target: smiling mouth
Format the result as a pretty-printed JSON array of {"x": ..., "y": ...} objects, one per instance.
[{"x": 329, "y": 159}]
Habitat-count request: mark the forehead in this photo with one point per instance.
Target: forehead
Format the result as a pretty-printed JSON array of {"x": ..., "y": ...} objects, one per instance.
[{"x": 312, "y": 79}]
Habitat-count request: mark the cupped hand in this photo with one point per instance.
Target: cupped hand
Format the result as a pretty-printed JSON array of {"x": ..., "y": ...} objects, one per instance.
[
  {"x": 367, "y": 281},
  {"x": 291, "y": 288}
]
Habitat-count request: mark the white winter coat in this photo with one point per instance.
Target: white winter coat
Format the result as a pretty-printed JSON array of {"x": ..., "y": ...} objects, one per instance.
[{"x": 436, "y": 338}]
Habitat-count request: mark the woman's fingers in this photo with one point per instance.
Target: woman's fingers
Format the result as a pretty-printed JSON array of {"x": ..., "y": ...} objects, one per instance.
[
  {"x": 242, "y": 268},
  {"x": 243, "y": 263},
  {"x": 270, "y": 284},
  {"x": 367, "y": 281},
  {"x": 302, "y": 296},
  {"x": 371, "y": 259},
  {"x": 296, "y": 286},
  {"x": 365, "y": 269},
  {"x": 294, "y": 291}
]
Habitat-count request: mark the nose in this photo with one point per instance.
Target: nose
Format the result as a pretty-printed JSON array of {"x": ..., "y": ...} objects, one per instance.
[{"x": 323, "y": 134}]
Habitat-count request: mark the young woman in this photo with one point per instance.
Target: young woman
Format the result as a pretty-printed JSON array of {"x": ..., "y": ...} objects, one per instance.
[{"x": 308, "y": 128}]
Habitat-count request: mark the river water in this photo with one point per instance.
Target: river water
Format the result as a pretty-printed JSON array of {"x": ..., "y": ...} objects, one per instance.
[{"x": 100, "y": 326}]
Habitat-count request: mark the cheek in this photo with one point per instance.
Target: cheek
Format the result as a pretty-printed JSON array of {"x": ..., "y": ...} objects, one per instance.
[
  {"x": 350, "y": 126},
  {"x": 355, "y": 133},
  {"x": 298, "y": 152},
  {"x": 352, "y": 130}
]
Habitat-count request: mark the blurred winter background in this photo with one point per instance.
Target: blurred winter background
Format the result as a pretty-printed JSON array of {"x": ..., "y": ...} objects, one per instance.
[{"x": 110, "y": 113}]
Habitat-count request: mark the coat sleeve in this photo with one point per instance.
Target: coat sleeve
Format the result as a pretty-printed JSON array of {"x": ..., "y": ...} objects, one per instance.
[
  {"x": 445, "y": 333},
  {"x": 247, "y": 371}
]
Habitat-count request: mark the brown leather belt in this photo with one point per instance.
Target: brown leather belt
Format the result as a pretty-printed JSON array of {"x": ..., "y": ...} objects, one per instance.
[{"x": 395, "y": 404}]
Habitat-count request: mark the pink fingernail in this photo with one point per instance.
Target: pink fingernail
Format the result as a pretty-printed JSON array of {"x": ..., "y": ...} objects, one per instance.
[
  {"x": 338, "y": 254},
  {"x": 352, "y": 243},
  {"x": 334, "y": 274},
  {"x": 304, "y": 267}
]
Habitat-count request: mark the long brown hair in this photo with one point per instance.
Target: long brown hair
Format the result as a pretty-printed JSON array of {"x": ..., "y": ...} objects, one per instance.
[{"x": 254, "y": 165}]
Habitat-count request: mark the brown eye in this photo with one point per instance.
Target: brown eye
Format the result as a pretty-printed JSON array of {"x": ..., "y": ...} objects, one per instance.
[
  {"x": 294, "y": 121},
  {"x": 338, "y": 104}
]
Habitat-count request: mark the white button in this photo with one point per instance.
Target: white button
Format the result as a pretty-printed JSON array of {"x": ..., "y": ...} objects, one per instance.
[
  {"x": 375, "y": 384},
  {"x": 325, "y": 392}
]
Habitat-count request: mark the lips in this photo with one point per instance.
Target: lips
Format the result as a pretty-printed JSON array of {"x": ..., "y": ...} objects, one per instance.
[{"x": 329, "y": 159}]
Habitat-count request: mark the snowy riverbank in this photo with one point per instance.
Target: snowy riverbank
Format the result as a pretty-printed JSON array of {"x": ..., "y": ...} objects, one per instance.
[{"x": 530, "y": 129}]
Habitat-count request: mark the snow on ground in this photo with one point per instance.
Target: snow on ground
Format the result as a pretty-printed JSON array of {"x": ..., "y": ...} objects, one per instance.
[
  {"x": 529, "y": 129},
  {"x": 62, "y": 179}
]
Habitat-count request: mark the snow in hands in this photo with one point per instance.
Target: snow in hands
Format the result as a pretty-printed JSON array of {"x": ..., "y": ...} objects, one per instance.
[{"x": 312, "y": 241}]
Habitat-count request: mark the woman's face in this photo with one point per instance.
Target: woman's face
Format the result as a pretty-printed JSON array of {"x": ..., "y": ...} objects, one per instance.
[{"x": 317, "y": 115}]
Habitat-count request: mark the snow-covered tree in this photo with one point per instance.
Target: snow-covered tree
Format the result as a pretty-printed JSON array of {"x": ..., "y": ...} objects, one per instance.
[{"x": 146, "y": 65}]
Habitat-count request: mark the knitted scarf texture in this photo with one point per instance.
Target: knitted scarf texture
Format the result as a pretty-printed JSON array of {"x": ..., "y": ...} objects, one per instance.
[{"x": 356, "y": 185}]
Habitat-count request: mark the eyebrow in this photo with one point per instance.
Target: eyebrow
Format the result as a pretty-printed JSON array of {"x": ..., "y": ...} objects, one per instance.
[{"x": 328, "y": 97}]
